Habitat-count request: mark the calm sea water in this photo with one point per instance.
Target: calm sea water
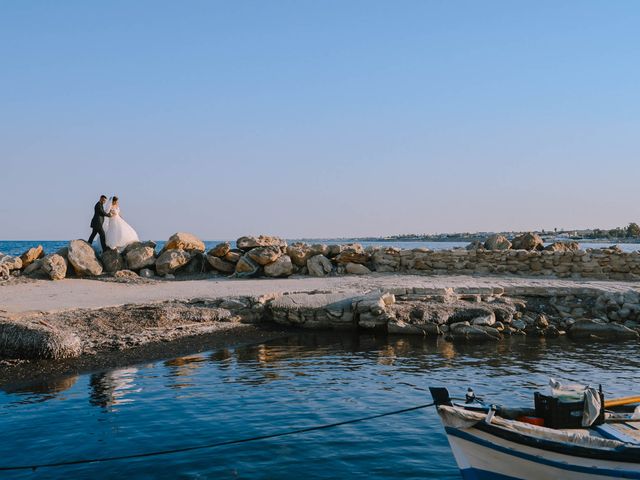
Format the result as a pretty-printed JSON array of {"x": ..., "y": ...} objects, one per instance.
[
  {"x": 296, "y": 381},
  {"x": 10, "y": 247}
]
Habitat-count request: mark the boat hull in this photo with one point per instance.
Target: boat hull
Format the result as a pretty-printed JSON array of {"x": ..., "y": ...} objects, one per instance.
[{"x": 482, "y": 456}]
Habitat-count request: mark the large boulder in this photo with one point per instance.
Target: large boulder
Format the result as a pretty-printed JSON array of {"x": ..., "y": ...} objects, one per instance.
[
  {"x": 12, "y": 263},
  {"x": 55, "y": 266},
  {"x": 83, "y": 259},
  {"x": 282, "y": 267},
  {"x": 357, "y": 269},
  {"x": 319, "y": 266},
  {"x": 497, "y": 242},
  {"x": 220, "y": 265},
  {"x": 246, "y": 267},
  {"x": 112, "y": 261},
  {"x": 264, "y": 255},
  {"x": 195, "y": 265},
  {"x": 563, "y": 247},
  {"x": 233, "y": 256},
  {"x": 247, "y": 243},
  {"x": 140, "y": 256},
  {"x": 299, "y": 252},
  {"x": 171, "y": 260},
  {"x": 5, "y": 274},
  {"x": 184, "y": 241},
  {"x": 527, "y": 241},
  {"x": 220, "y": 250},
  {"x": 353, "y": 253},
  {"x": 591, "y": 328},
  {"x": 31, "y": 256}
]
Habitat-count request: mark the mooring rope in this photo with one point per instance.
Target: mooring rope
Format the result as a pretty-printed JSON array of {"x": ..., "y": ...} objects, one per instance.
[{"x": 209, "y": 445}]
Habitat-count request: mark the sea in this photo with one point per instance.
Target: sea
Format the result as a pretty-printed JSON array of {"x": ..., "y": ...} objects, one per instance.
[
  {"x": 297, "y": 381},
  {"x": 17, "y": 247}
]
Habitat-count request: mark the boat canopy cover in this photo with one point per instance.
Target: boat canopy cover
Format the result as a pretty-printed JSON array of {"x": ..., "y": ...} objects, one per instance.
[{"x": 458, "y": 417}]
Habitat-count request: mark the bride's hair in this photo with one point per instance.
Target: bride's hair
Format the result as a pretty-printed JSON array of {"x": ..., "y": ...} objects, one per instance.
[{"x": 114, "y": 199}]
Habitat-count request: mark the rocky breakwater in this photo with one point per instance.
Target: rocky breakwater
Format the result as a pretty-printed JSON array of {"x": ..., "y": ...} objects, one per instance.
[
  {"x": 469, "y": 314},
  {"x": 267, "y": 256}
]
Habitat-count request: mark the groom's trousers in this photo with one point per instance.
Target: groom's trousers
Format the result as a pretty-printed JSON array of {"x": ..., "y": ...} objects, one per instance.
[{"x": 98, "y": 231}]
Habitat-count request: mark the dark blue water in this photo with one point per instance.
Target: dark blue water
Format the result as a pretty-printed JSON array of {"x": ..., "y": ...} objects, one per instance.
[
  {"x": 297, "y": 381},
  {"x": 17, "y": 247}
]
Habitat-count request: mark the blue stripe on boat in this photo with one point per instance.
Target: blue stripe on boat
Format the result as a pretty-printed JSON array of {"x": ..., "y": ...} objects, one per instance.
[
  {"x": 537, "y": 459},
  {"x": 478, "y": 474}
]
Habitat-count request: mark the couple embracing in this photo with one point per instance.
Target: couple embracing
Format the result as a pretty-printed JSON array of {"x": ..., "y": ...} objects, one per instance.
[{"x": 114, "y": 232}]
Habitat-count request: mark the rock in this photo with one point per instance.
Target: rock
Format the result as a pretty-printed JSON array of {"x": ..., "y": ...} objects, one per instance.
[
  {"x": 37, "y": 340},
  {"x": 563, "y": 247},
  {"x": 541, "y": 321},
  {"x": 149, "y": 243},
  {"x": 33, "y": 268},
  {"x": 233, "y": 256},
  {"x": 282, "y": 267},
  {"x": 31, "y": 256},
  {"x": 247, "y": 243},
  {"x": 55, "y": 266},
  {"x": 319, "y": 266},
  {"x": 299, "y": 252},
  {"x": 220, "y": 250},
  {"x": 353, "y": 253},
  {"x": 357, "y": 269},
  {"x": 12, "y": 263},
  {"x": 146, "y": 273},
  {"x": 125, "y": 274},
  {"x": 170, "y": 260},
  {"x": 184, "y": 241},
  {"x": 264, "y": 255},
  {"x": 4, "y": 272},
  {"x": 140, "y": 256},
  {"x": 112, "y": 261},
  {"x": 519, "y": 324},
  {"x": 400, "y": 326},
  {"x": 83, "y": 259},
  {"x": 497, "y": 242},
  {"x": 334, "y": 250},
  {"x": 527, "y": 241},
  {"x": 464, "y": 331},
  {"x": 588, "y": 328},
  {"x": 475, "y": 245},
  {"x": 319, "y": 249},
  {"x": 169, "y": 276},
  {"x": 246, "y": 267},
  {"x": 195, "y": 265},
  {"x": 220, "y": 265},
  {"x": 484, "y": 321}
]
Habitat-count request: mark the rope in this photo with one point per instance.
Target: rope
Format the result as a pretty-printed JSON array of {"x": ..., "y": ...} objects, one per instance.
[{"x": 208, "y": 445}]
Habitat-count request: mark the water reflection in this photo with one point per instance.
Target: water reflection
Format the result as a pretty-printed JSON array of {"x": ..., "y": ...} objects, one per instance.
[
  {"x": 46, "y": 389},
  {"x": 181, "y": 369},
  {"x": 112, "y": 388}
]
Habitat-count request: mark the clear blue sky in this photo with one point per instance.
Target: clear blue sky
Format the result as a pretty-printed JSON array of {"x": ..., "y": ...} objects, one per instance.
[{"x": 318, "y": 118}]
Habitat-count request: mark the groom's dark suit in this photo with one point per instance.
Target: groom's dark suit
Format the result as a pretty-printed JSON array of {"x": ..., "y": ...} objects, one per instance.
[{"x": 96, "y": 225}]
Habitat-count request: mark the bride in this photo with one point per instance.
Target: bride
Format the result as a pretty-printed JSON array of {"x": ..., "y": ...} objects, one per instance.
[{"x": 118, "y": 233}]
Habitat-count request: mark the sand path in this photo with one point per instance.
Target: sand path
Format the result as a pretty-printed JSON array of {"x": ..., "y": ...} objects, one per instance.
[{"x": 67, "y": 294}]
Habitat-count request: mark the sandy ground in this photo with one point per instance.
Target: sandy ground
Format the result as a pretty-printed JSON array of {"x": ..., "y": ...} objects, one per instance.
[{"x": 48, "y": 296}]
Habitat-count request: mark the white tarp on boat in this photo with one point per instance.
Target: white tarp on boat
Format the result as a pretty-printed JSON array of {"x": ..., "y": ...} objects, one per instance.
[{"x": 460, "y": 418}]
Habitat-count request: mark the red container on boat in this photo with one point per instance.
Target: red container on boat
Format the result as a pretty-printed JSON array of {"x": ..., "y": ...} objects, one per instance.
[{"x": 532, "y": 420}]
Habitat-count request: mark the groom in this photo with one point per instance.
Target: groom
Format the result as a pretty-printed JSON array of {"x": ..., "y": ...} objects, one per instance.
[{"x": 96, "y": 222}]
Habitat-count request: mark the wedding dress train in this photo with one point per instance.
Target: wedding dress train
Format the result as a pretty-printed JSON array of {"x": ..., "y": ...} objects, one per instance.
[{"x": 119, "y": 233}]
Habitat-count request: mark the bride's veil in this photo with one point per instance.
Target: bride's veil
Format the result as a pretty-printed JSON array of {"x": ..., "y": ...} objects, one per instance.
[{"x": 107, "y": 207}]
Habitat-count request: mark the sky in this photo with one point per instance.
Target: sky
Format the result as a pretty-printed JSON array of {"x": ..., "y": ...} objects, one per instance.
[{"x": 318, "y": 118}]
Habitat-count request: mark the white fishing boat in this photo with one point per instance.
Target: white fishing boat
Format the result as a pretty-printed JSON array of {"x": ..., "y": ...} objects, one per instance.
[{"x": 494, "y": 442}]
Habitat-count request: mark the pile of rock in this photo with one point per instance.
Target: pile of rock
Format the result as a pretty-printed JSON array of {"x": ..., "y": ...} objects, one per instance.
[{"x": 184, "y": 254}]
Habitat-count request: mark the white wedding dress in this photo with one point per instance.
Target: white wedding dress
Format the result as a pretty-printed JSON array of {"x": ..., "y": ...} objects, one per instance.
[{"x": 118, "y": 233}]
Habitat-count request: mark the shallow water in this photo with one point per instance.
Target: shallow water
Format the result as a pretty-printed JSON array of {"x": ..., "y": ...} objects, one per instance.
[{"x": 296, "y": 381}]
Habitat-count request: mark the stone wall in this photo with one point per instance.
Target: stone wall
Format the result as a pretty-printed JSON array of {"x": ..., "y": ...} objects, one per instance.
[{"x": 593, "y": 263}]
